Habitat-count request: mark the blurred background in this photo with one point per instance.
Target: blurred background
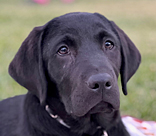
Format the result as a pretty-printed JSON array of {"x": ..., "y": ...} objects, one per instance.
[{"x": 136, "y": 17}]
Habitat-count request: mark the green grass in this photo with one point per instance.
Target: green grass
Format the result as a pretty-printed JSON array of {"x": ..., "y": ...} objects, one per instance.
[{"x": 136, "y": 18}]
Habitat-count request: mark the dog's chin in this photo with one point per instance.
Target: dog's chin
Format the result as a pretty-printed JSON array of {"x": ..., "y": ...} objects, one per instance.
[{"x": 102, "y": 107}]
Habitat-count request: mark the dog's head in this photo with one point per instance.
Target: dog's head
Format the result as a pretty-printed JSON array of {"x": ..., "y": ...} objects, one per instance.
[{"x": 77, "y": 58}]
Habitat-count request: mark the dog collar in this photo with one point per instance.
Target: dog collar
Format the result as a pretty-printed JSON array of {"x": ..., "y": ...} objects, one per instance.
[{"x": 56, "y": 117}]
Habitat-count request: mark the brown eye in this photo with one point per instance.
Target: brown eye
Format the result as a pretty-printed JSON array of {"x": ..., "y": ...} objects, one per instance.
[
  {"x": 109, "y": 45},
  {"x": 63, "y": 50}
]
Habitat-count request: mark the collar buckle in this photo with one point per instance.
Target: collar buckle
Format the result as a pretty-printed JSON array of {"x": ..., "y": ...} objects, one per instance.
[{"x": 104, "y": 133}]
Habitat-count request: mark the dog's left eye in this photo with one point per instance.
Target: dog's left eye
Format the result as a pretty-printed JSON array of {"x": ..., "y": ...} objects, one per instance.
[
  {"x": 63, "y": 50},
  {"x": 109, "y": 45}
]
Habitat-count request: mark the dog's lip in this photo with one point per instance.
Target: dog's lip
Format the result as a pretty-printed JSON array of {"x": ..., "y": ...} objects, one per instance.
[{"x": 102, "y": 107}]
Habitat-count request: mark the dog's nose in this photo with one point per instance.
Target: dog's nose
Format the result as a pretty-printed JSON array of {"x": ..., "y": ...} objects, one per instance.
[{"x": 100, "y": 81}]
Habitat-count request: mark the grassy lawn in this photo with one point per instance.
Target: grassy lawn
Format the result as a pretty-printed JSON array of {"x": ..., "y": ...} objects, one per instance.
[{"x": 136, "y": 17}]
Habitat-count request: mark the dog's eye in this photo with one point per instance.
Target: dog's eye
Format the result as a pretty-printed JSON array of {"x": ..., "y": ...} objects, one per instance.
[
  {"x": 63, "y": 50},
  {"x": 109, "y": 45}
]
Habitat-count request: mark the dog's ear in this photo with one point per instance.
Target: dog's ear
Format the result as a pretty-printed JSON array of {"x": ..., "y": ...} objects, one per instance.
[
  {"x": 27, "y": 66},
  {"x": 130, "y": 57}
]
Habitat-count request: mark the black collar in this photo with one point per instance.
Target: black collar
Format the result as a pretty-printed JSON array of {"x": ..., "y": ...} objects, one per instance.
[{"x": 56, "y": 117}]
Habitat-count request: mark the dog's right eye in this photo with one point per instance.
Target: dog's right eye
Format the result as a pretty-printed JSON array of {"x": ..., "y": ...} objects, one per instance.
[
  {"x": 109, "y": 45},
  {"x": 63, "y": 50}
]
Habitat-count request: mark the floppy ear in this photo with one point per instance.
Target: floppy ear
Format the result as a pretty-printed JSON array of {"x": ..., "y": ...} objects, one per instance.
[
  {"x": 130, "y": 57},
  {"x": 27, "y": 67}
]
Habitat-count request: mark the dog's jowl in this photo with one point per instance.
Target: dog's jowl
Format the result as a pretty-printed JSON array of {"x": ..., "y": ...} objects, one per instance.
[{"x": 70, "y": 67}]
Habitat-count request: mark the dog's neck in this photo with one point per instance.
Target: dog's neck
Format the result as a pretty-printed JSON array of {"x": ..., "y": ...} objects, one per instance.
[{"x": 61, "y": 121}]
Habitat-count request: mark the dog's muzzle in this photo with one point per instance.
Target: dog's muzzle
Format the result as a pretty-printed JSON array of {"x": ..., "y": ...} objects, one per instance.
[{"x": 99, "y": 93}]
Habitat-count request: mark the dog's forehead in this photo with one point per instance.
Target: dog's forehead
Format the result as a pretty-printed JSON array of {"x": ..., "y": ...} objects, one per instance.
[
  {"x": 81, "y": 22},
  {"x": 78, "y": 27},
  {"x": 81, "y": 18}
]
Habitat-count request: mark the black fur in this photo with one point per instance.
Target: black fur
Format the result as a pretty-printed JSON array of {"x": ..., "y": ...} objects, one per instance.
[{"x": 71, "y": 64}]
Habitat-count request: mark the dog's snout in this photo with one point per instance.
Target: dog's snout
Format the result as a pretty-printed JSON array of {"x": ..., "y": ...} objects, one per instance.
[{"x": 100, "y": 81}]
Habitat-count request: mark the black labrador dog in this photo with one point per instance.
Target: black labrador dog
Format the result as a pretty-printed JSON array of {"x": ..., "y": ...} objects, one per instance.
[{"x": 70, "y": 67}]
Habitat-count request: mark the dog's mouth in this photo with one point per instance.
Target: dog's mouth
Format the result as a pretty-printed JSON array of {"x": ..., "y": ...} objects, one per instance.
[{"x": 102, "y": 107}]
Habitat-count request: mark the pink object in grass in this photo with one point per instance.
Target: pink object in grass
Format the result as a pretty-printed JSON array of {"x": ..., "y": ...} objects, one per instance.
[
  {"x": 42, "y": 1},
  {"x": 67, "y": 1}
]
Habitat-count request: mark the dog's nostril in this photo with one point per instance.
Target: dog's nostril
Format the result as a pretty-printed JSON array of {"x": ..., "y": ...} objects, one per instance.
[
  {"x": 96, "y": 86},
  {"x": 108, "y": 85}
]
